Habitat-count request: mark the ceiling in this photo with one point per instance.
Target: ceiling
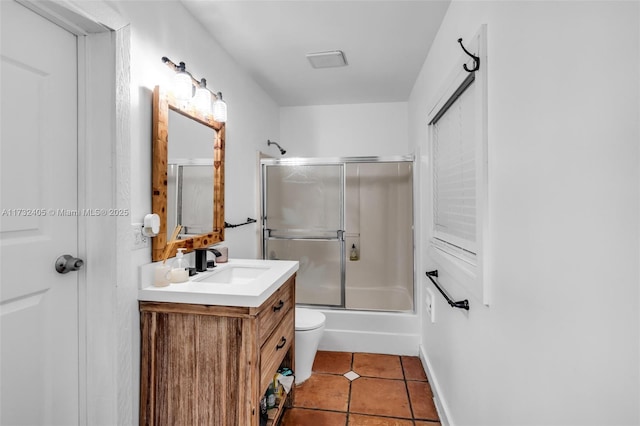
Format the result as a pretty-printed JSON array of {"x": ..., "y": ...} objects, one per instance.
[{"x": 385, "y": 43}]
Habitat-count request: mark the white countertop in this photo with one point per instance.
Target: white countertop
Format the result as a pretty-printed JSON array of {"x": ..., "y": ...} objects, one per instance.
[{"x": 252, "y": 293}]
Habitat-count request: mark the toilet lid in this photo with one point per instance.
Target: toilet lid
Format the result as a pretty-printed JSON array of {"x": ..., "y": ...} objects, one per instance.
[{"x": 308, "y": 319}]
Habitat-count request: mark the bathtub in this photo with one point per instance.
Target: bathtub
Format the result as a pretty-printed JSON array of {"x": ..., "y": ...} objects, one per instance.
[{"x": 396, "y": 333}]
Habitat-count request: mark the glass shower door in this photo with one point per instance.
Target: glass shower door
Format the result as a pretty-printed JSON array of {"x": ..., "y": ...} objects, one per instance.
[{"x": 303, "y": 220}]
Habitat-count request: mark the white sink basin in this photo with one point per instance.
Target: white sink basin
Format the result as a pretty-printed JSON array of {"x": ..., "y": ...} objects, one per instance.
[
  {"x": 239, "y": 282},
  {"x": 233, "y": 275}
]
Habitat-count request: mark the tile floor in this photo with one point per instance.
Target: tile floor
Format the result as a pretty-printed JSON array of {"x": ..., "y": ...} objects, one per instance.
[{"x": 361, "y": 389}]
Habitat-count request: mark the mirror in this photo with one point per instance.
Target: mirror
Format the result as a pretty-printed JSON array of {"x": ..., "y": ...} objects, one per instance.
[{"x": 188, "y": 175}]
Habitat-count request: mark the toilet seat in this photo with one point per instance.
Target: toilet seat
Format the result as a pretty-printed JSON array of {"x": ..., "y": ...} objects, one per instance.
[{"x": 308, "y": 319}]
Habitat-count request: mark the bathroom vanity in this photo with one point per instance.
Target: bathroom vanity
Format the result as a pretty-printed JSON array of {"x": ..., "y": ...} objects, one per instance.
[
  {"x": 209, "y": 346},
  {"x": 210, "y": 363}
]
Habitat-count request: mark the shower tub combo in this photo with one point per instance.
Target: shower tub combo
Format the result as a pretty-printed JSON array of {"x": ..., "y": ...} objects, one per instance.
[{"x": 349, "y": 222}]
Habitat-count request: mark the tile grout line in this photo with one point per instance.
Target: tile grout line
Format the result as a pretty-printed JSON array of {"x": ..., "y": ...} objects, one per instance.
[
  {"x": 350, "y": 385},
  {"x": 406, "y": 387},
  {"x": 405, "y": 378},
  {"x": 384, "y": 416}
]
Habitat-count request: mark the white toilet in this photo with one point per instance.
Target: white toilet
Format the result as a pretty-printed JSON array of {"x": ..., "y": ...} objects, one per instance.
[{"x": 309, "y": 328}]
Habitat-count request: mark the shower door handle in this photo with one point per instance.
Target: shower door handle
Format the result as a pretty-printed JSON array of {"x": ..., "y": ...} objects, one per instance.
[{"x": 300, "y": 235}]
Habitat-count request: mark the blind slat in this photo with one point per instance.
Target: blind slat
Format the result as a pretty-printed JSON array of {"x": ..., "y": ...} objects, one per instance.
[{"x": 455, "y": 172}]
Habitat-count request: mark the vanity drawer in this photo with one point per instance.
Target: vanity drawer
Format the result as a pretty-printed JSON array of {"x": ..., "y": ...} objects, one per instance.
[
  {"x": 274, "y": 350},
  {"x": 274, "y": 310}
]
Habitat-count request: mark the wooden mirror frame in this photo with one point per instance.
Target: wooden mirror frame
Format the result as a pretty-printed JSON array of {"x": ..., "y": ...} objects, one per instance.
[{"x": 163, "y": 101}]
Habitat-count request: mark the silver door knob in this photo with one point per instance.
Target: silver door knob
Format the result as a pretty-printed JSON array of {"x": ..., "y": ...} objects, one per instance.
[{"x": 67, "y": 263}]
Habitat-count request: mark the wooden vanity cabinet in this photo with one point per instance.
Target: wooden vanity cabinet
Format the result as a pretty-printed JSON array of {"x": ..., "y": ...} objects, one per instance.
[{"x": 210, "y": 365}]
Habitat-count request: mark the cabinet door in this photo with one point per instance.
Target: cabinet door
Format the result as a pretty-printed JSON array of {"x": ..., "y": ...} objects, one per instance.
[
  {"x": 197, "y": 369},
  {"x": 275, "y": 350}
]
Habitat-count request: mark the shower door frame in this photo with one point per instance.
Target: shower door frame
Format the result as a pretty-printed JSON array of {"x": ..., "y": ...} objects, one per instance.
[{"x": 332, "y": 161}]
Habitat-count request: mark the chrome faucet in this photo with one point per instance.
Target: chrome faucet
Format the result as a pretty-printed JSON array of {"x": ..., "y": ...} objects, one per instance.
[{"x": 201, "y": 259}]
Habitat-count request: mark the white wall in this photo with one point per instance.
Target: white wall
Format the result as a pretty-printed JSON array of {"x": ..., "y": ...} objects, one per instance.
[
  {"x": 253, "y": 115},
  {"x": 559, "y": 343},
  {"x": 166, "y": 29},
  {"x": 343, "y": 130}
]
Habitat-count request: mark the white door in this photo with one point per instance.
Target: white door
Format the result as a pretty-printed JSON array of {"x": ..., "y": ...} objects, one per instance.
[{"x": 38, "y": 154}]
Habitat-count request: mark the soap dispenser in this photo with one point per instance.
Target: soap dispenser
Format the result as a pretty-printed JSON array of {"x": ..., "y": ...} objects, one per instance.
[
  {"x": 180, "y": 268},
  {"x": 354, "y": 253}
]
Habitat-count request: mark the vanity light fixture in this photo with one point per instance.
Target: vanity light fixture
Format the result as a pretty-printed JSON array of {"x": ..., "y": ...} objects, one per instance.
[
  {"x": 330, "y": 59},
  {"x": 184, "y": 83}
]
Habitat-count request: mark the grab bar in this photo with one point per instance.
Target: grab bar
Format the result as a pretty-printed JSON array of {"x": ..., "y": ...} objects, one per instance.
[{"x": 462, "y": 304}]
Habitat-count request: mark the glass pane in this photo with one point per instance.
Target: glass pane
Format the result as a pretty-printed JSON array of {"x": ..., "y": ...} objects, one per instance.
[
  {"x": 190, "y": 191},
  {"x": 304, "y": 199},
  {"x": 319, "y": 278},
  {"x": 379, "y": 274},
  {"x": 197, "y": 199},
  {"x": 190, "y": 169}
]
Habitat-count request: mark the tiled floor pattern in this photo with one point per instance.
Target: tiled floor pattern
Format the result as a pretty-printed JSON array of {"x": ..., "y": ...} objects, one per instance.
[{"x": 390, "y": 390}]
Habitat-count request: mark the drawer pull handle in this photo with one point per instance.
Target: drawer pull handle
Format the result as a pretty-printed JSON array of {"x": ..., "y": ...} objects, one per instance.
[
  {"x": 278, "y": 306},
  {"x": 283, "y": 342}
]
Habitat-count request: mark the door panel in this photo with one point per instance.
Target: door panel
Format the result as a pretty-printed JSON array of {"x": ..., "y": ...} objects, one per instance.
[
  {"x": 304, "y": 222},
  {"x": 38, "y": 154}
]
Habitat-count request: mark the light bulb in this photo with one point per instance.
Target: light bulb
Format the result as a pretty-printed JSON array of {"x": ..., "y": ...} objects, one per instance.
[
  {"x": 202, "y": 99},
  {"x": 219, "y": 109},
  {"x": 182, "y": 85}
]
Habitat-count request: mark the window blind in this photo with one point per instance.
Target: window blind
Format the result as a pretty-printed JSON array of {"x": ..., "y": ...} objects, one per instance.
[{"x": 454, "y": 160}]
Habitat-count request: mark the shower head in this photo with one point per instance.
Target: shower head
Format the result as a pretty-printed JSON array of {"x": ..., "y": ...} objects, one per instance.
[{"x": 282, "y": 151}]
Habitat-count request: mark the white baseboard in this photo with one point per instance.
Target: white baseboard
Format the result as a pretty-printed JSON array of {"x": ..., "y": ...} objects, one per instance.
[
  {"x": 441, "y": 404},
  {"x": 369, "y": 341}
]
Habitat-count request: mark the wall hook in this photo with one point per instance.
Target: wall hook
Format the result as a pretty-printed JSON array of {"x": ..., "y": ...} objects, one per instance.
[{"x": 476, "y": 59}]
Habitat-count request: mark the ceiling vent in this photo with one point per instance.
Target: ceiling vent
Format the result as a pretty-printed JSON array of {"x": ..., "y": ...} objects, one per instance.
[{"x": 333, "y": 58}]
